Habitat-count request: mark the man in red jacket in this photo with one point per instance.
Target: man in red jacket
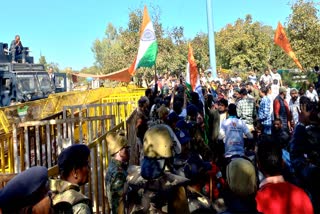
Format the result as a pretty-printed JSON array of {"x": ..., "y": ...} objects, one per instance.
[{"x": 275, "y": 194}]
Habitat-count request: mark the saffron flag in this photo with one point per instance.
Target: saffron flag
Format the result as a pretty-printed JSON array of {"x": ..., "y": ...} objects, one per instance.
[
  {"x": 282, "y": 41},
  {"x": 192, "y": 76},
  {"x": 148, "y": 47}
]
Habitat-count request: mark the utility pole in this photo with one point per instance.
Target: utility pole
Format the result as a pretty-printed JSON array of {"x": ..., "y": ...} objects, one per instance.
[{"x": 212, "y": 49}]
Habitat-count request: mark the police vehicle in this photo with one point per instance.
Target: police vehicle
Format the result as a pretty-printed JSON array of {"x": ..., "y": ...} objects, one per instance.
[{"x": 22, "y": 82}]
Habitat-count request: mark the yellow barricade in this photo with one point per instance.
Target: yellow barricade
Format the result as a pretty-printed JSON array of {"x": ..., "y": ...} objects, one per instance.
[
  {"x": 121, "y": 102},
  {"x": 4, "y": 122}
]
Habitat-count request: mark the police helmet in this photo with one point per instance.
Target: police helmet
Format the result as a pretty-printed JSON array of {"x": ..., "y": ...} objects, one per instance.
[
  {"x": 116, "y": 141},
  {"x": 157, "y": 142}
]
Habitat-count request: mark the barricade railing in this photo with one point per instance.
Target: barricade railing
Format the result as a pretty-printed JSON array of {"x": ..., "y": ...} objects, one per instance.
[
  {"x": 123, "y": 111},
  {"x": 95, "y": 189},
  {"x": 43, "y": 140},
  {"x": 39, "y": 142},
  {"x": 4, "y": 124},
  {"x": 44, "y": 108},
  {"x": 99, "y": 157},
  {"x": 120, "y": 104}
]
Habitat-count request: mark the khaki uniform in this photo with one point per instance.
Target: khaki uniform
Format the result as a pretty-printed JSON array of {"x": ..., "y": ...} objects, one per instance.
[
  {"x": 66, "y": 192},
  {"x": 165, "y": 194}
]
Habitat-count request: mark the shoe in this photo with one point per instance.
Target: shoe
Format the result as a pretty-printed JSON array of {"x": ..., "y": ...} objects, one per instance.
[{"x": 13, "y": 62}]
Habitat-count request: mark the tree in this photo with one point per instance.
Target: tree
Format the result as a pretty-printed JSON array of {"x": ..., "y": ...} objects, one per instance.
[
  {"x": 304, "y": 33},
  {"x": 244, "y": 45},
  {"x": 119, "y": 47},
  {"x": 42, "y": 60},
  {"x": 200, "y": 46}
]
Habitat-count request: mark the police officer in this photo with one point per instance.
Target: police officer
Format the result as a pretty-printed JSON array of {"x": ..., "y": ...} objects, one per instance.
[
  {"x": 117, "y": 170},
  {"x": 74, "y": 168},
  {"x": 151, "y": 187},
  {"x": 27, "y": 192}
]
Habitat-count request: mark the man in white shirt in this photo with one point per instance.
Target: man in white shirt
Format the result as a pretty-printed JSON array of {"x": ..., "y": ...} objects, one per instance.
[
  {"x": 266, "y": 78},
  {"x": 294, "y": 105},
  {"x": 276, "y": 76},
  {"x": 232, "y": 131},
  {"x": 312, "y": 94}
]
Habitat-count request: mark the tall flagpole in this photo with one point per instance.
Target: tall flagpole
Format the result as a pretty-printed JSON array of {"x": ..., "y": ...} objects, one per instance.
[{"x": 212, "y": 49}]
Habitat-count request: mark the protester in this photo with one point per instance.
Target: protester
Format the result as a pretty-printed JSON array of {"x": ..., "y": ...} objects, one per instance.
[
  {"x": 279, "y": 134},
  {"x": 232, "y": 131},
  {"x": 223, "y": 109},
  {"x": 264, "y": 111},
  {"x": 266, "y": 78},
  {"x": 294, "y": 105},
  {"x": 246, "y": 109},
  {"x": 305, "y": 151},
  {"x": 252, "y": 77},
  {"x": 281, "y": 109},
  {"x": 253, "y": 92},
  {"x": 17, "y": 50},
  {"x": 312, "y": 94},
  {"x": 276, "y": 76},
  {"x": 275, "y": 195}
]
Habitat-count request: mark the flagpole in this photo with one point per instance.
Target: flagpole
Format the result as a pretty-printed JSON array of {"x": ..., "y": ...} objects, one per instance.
[
  {"x": 212, "y": 49},
  {"x": 155, "y": 73}
]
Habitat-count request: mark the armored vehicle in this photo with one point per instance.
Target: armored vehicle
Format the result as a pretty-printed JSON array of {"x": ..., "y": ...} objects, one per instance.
[{"x": 21, "y": 82}]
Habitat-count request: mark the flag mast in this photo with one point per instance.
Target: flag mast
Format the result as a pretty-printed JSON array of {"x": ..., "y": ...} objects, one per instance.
[{"x": 212, "y": 49}]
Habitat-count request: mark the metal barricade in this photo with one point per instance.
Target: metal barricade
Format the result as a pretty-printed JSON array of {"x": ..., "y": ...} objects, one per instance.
[
  {"x": 95, "y": 189},
  {"x": 4, "y": 124},
  {"x": 39, "y": 142},
  {"x": 43, "y": 140}
]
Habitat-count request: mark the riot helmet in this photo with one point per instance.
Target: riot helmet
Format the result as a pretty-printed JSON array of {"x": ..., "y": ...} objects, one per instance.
[
  {"x": 116, "y": 141},
  {"x": 157, "y": 142}
]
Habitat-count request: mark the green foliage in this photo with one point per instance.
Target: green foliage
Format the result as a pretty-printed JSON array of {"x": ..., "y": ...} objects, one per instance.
[
  {"x": 241, "y": 46},
  {"x": 200, "y": 45},
  {"x": 297, "y": 79},
  {"x": 119, "y": 47},
  {"x": 244, "y": 45},
  {"x": 91, "y": 70},
  {"x": 42, "y": 60},
  {"x": 304, "y": 33}
]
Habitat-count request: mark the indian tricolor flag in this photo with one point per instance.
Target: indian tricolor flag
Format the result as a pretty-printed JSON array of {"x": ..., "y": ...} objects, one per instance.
[
  {"x": 148, "y": 47},
  {"x": 192, "y": 76}
]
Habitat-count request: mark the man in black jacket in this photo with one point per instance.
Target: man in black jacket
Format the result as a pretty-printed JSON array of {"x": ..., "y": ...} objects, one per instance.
[
  {"x": 305, "y": 152},
  {"x": 17, "y": 51}
]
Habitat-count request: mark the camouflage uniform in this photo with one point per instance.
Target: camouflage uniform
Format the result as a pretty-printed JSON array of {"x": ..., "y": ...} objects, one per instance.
[
  {"x": 149, "y": 188},
  {"x": 64, "y": 191},
  {"x": 115, "y": 180},
  {"x": 165, "y": 194}
]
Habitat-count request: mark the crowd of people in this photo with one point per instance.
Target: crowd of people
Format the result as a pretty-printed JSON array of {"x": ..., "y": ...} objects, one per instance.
[
  {"x": 246, "y": 145},
  {"x": 242, "y": 146}
]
